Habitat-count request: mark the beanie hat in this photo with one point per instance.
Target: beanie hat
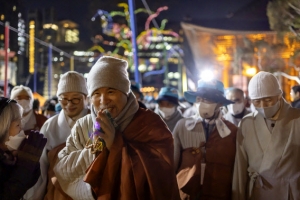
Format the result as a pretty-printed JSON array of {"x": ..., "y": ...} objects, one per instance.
[
  {"x": 109, "y": 72},
  {"x": 20, "y": 88},
  {"x": 264, "y": 84},
  {"x": 71, "y": 82}
]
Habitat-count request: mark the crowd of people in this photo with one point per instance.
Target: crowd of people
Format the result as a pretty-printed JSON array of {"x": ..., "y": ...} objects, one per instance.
[{"x": 100, "y": 138}]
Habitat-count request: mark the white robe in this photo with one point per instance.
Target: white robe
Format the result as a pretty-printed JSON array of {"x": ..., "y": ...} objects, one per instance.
[
  {"x": 267, "y": 164},
  {"x": 74, "y": 159}
]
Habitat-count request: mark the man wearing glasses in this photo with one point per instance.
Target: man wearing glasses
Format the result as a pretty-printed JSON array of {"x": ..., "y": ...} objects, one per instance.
[{"x": 72, "y": 95}]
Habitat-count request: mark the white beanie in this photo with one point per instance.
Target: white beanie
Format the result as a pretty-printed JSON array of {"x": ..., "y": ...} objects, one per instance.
[
  {"x": 109, "y": 72},
  {"x": 263, "y": 84},
  {"x": 20, "y": 88},
  {"x": 71, "y": 82}
]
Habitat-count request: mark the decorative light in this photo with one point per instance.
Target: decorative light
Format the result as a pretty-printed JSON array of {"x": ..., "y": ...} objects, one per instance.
[{"x": 207, "y": 75}]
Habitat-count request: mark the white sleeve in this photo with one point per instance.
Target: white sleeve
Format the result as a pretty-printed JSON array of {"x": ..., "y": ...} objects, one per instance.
[
  {"x": 240, "y": 174},
  {"x": 74, "y": 160}
]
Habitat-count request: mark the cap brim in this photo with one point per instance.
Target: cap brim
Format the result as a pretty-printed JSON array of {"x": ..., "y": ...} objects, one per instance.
[
  {"x": 211, "y": 95},
  {"x": 170, "y": 99}
]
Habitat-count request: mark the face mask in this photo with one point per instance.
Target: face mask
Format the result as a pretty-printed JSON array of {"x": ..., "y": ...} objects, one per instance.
[
  {"x": 14, "y": 142},
  {"x": 206, "y": 110},
  {"x": 166, "y": 113},
  {"x": 26, "y": 105},
  {"x": 236, "y": 108},
  {"x": 269, "y": 112}
]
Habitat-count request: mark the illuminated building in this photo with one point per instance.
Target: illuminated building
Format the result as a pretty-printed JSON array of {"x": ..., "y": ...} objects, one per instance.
[
  {"x": 238, "y": 55},
  {"x": 12, "y": 12}
]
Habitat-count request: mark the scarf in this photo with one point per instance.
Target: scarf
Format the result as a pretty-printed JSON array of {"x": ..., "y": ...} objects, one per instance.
[
  {"x": 221, "y": 126},
  {"x": 125, "y": 116}
]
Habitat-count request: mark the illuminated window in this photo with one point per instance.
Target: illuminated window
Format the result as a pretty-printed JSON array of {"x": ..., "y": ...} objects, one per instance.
[
  {"x": 31, "y": 46},
  {"x": 72, "y": 36}
]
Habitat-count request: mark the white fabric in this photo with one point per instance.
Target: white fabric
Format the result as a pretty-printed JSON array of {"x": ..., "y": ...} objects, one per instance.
[
  {"x": 221, "y": 126},
  {"x": 74, "y": 159},
  {"x": 72, "y": 82},
  {"x": 29, "y": 121},
  {"x": 14, "y": 142},
  {"x": 109, "y": 72},
  {"x": 228, "y": 116},
  {"x": 25, "y": 104},
  {"x": 263, "y": 84},
  {"x": 266, "y": 163},
  {"x": 236, "y": 108},
  {"x": 56, "y": 130},
  {"x": 18, "y": 89},
  {"x": 72, "y": 121}
]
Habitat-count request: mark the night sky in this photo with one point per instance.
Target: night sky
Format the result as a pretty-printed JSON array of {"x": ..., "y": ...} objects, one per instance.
[{"x": 192, "y": 11}]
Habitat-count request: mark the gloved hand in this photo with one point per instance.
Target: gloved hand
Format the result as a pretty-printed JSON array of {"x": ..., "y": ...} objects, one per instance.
[{"x": 30, "y": 151}]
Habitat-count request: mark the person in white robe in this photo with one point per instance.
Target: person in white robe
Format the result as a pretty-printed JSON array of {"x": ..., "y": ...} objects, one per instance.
[
  {"x": 72, "y": 94},
  {"x": 268, "y": 145}
]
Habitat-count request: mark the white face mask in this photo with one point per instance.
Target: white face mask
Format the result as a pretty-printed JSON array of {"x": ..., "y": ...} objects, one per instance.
[
  {"x": 14, "y": 142},
  {"x": 269, "y": 112},
  {"x": 166, "y": 113},
  {"x": 206, "y": 110},
  {"x": 236, "y": 108},
  {"x": 26, "y": 105}
]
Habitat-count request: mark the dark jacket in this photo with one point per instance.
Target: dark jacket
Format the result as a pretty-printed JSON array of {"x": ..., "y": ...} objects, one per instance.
[
  {"x": 296, "y": 104},
  {"x": 15, "y": 180}
]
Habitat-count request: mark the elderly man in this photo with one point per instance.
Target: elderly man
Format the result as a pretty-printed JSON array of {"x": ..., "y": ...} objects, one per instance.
[
  {"x": 72, "y": 95},
  {"x": 237, "y": 110},
  {"x": 167, "y": 108},
  {"x": 268, "y": 145},
  {"x": 30, "y": 119},
  {"x": 121, "y": 150},
  {"x": 205, "y": 146}
]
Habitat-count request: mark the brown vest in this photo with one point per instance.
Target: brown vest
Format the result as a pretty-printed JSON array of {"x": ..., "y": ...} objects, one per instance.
[{"x": 219, "y": 159}]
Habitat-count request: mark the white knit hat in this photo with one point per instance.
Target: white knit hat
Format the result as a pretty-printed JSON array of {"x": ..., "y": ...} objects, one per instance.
[
  {"x": 20, "y": 88},
  {"x": 71, "y": 82},
  {"x": 109, "y": 72},
  {"x": 263, "y": 84}
]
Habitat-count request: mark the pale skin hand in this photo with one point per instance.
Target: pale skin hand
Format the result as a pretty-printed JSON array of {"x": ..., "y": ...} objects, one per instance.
[{"x": 107, "y": 127}]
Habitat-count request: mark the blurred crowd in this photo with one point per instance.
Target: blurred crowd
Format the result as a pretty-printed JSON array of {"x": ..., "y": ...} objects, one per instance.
[{"x": 101, "y": 138}]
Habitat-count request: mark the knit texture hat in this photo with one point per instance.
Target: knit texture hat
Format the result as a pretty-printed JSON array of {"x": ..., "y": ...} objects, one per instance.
[
  {"x": 263, "y": 84},
  {"x": 71, "y": 82},
  {"x": 20, "y": 88},
  {"x": 109, "y": 72}
]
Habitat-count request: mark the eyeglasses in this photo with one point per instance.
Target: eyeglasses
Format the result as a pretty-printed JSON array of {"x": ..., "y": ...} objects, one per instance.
[{"x": 73, "y": 101}]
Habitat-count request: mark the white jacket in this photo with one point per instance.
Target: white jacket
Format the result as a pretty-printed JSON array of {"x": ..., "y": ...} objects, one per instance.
[{"x": 74, "y": 160}]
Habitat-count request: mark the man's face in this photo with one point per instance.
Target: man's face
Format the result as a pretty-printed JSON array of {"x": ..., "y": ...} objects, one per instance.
[
  {"x": 108, "y": 98},
  {"x": 165, "y": 104},
  {"x": 235, "y": 96},
  {"x": 72, "y": 103},
  {"x": 265, "y": 102}
]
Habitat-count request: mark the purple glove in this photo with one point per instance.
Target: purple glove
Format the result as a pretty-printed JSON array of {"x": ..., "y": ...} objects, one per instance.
[{"x": 30, "y": 150}]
